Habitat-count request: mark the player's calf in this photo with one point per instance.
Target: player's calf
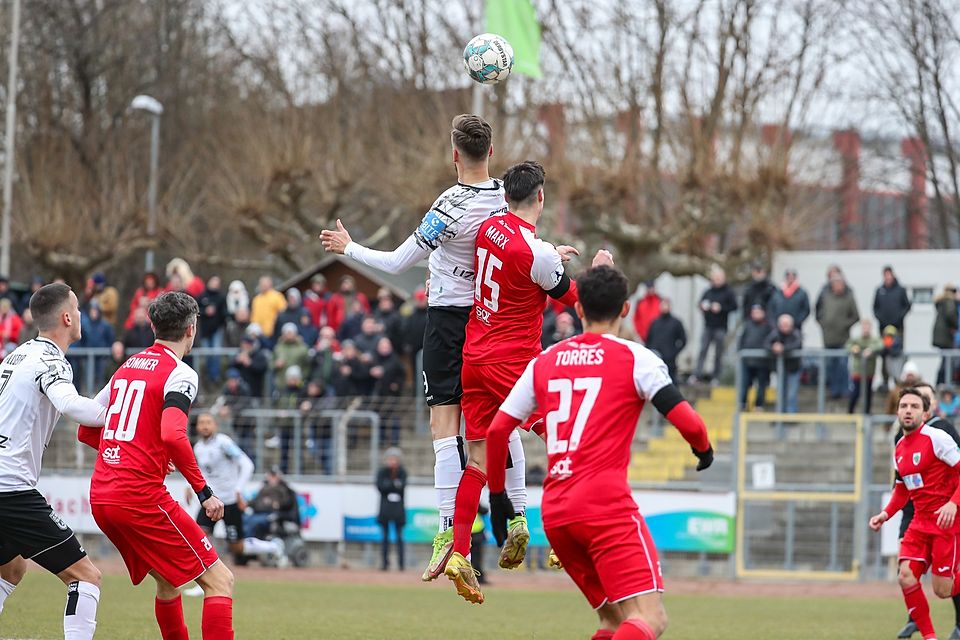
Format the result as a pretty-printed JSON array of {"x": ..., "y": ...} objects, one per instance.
[
  {"x": 83, "y": 596},
  {"x": 217, "y": 621}
]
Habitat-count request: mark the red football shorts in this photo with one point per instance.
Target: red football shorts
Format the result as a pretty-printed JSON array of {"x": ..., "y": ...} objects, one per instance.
[
  {"x": 609, "y": 561},
  {"x": 940, "y": 551},
  {"x": 161, "y": 538},
  {"x": 485, "y": 387}
]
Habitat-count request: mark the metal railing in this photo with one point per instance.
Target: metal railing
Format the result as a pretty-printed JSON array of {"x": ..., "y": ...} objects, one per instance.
[
  {"x": 91, "y": 362},
  {"x": 949, "y": 358}
]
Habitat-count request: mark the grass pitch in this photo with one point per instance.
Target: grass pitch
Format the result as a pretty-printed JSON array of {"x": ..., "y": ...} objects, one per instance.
[{"x": 315, "y": 610}]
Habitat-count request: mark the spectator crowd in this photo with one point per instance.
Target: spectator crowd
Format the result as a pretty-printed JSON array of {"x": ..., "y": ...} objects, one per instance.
[
  {"x": 769, "y": 327},
  {"x": 302, "y": 349}
]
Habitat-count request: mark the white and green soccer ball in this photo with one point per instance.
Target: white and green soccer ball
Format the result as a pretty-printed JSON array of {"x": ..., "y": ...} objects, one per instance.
[{"x": 488, "y": 58}]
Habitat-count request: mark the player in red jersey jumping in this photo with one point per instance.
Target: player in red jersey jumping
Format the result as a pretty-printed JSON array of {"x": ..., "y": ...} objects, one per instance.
[
  {"x": 516, "y": 273},
  {"x": 592, "y": 389},
  {"x": 926, "y": 462},
  {"x": 149, "y": 399}
]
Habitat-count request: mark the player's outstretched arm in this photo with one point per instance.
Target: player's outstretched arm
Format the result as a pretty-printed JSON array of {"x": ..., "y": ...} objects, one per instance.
[
  {"x": 399, "y": 260},
  {"x": 68, "y": 401},
  {"x": 672, "y": 405},
  {"x": 90, "y": 435}
]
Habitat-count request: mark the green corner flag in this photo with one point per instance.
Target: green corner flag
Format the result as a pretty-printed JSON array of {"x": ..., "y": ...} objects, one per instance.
[{"x": 516, "y": 20}]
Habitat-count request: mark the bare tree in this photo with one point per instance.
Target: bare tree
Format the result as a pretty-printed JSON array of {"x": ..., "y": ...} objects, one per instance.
[{"x": 910, "y": 50}]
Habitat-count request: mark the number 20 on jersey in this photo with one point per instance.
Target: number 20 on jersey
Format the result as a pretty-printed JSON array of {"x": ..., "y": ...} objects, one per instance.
[{"x": 126, "y": 408}]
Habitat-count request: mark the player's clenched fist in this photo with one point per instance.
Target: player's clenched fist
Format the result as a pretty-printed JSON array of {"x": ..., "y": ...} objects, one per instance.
[
  {"x": 603, "y": 257},
  {"x": 877, "y": 521},
  {"x": 337, "y": 240},
  {"x": 213, "y": 507}
]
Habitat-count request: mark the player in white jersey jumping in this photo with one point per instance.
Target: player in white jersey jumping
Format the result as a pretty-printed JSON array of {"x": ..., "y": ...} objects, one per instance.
[
  {"x": 448, "y": 235},
  {"x": 227, "y": 470},
  {"x": 36, "y": 387}
]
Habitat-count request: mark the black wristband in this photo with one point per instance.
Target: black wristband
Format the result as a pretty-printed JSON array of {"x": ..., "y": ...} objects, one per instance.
[{"x": 205, "y": 494}]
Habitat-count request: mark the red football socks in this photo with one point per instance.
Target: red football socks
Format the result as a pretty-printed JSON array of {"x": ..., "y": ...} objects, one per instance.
[
  {"x": 602, "y": 634},
  {"x": 919, "y": 609},
  {"x": 170, "y": 618},
  {"x": 217, "y": 621},
  {"x": 465, "y": 511},
  {"x": 634, "y": 629}
]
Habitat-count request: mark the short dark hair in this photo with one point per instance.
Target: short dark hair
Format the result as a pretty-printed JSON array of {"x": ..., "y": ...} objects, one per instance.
[
  {"x": 171, "y": 313},
  {"x": 47, "y": 303},
  {"x": 602, "y": 291},
  {"x": 523, "y": 181},
  {"x": 914, "y": 391},
  {"x": 471, "y": 136}
]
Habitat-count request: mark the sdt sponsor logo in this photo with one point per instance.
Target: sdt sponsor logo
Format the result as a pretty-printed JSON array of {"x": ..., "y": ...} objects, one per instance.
[
  {"x": 111, "y": 455},
  {"x": 483, "y": 315},
  {"x": 562, "y": 470}
]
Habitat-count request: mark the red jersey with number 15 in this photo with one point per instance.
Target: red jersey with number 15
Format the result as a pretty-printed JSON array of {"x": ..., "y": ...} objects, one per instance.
[
  {"x": 514, "y": 270},
  {"x": 132, "y": 461},
  {"x": 592, "y": 389}
]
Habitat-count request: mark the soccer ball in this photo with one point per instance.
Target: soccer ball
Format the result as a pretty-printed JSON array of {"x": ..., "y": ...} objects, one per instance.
[{"x": 488, "y": 58}]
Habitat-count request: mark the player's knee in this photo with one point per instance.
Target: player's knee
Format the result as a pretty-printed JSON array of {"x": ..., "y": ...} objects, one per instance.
[
  {"x": 943, "y": 588},
  {"x": 14, "y": 571},
  {"x": 82, "y": 571},
  {"x": 906, "y": 578},
  {"x": 218, "y": 581}
]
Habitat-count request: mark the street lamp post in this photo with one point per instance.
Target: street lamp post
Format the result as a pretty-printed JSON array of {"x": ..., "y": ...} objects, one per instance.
[
  {"x": 9, "y": 156},
  {"x": 153, "y": 107}
]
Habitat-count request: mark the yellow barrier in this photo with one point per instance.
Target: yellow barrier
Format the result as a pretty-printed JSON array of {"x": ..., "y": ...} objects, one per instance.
[{"x": 744, "y": 495}]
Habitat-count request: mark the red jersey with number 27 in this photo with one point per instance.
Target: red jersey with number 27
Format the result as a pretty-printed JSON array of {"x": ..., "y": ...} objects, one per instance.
[
  {"x": 926, "y": 460},
  {"x": 514, "y": 271},
  {"x": 132, "y": 461},
  {"x": 591, "y": 389}
]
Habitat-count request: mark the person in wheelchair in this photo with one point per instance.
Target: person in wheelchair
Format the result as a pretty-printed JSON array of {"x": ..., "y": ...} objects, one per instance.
[{"x": 276, "y": 516}]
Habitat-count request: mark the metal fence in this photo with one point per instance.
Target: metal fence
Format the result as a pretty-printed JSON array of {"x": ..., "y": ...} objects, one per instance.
[{"x": 818, "y": 361}]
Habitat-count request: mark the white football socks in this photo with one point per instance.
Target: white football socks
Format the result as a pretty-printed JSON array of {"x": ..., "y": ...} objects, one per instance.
[
  {"x": 446, "y": 477},
  {"x": 516, "y": 478},
  {"x": 80, "y": 616},
  {"x": 258, "y": 547},
  {"x": 6, "y": 589}
]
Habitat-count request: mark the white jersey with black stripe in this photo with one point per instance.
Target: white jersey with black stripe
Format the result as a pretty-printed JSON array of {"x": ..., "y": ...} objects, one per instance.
[
  {"x": 449, "y": 230},
  {"x": 448, "y": 234},
  {"x": 35, "y": 380}
]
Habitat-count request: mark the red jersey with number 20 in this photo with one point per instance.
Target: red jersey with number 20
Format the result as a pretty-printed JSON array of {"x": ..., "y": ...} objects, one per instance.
[
  {"x": 514, "y": 271},
  {"x": 926, "y": 460},
  {"x": 132, "y": 461},
  {"x": 592, "y": 389}
]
